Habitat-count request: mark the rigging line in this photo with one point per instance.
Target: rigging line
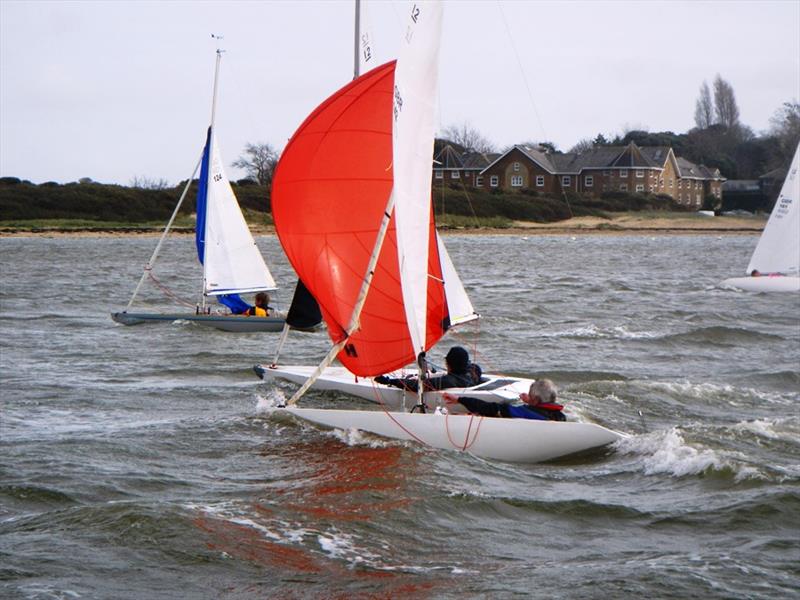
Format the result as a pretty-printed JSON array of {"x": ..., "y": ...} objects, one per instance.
[
  {"x": 167, "y": 292},
  {"x": 521, "y": 70},
  {"x": 389, "y": 414},
  {"x": 469, "y": 202}
]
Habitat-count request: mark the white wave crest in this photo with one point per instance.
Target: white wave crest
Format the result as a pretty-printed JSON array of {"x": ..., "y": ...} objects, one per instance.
[
  {"x": 781, "y": 429},
  {"x": 594, "y": 332},
  {"x": 667, "y": 452},
  {"x": 266, "y": 404},
  {"x": 356, "y": 437},
  {"x": 734, "y": 396}
]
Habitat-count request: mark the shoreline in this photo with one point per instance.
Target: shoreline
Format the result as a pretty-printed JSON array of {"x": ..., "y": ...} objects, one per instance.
[{"x": 627, "y": 224}]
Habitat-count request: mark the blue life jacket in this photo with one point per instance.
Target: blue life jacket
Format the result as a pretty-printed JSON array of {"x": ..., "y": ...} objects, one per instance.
[{"x": 525, "y": 412}]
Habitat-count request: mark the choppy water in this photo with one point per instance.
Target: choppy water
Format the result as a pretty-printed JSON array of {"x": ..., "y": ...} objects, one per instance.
[{"x": 140, "y": 462}]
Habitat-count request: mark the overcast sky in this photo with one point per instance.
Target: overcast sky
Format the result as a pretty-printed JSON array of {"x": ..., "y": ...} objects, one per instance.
[{"x": 113, "y": 90}]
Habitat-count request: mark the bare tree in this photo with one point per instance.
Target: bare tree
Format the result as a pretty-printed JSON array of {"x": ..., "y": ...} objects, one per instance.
[
  {"x": 468, "y": 137},
  {"x": 727, "y": 111},
  {"x": 704, "y": 108},
  {"x": 145, "y": 183},
  {"x": 582, "y": 146},
  {"x": 785, "y": 125},
  {"x": 258, "y": 161}
]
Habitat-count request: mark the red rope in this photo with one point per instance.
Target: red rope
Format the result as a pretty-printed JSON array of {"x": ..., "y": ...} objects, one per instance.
[
  {"x": 167, "y": 291},
  {"x": 467, "y": 443}
]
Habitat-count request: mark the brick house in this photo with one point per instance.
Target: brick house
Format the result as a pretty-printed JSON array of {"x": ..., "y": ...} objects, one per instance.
[
  {"x": 450, "y": 165},
  {"x": 648, "y": 169}
]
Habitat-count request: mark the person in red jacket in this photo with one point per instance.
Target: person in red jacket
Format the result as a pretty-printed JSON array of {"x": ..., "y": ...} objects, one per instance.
[{"x": 538, "y": 404}]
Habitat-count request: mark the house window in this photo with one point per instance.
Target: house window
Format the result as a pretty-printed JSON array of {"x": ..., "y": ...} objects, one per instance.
[
  {"x": 540, "y": 181},
  {"x": 623, "y": 172},
  {"x": 639, "y": 173},
  {"x": 439, "y": 174},
  {"x": 639, "y": 187},
  {"x": 516, "y": 181},
  {"x": 455, "y": 175},
  {"x": 606, "y": 173},
  {"x": 494, "y": 180},
  {"x": 680, "y": 184},
  {"x": 479, "y": 180},
  {"x": 566, "y": 181},
  {"x": 516, "y": 166},
  {"x": 623, "y": 187},
  {"x": 670, "y": 184},
  {"x": 588, "y": 181}
]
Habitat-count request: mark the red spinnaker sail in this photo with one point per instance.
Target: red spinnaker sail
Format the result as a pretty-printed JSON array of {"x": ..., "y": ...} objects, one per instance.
[{"x": 329, "y": 194}]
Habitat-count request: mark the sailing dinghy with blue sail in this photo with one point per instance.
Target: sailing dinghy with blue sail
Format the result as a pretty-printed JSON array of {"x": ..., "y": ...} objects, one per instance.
[
  {"x": 352, "y": 208},
  {"x": 232, "y": 263},
  {"x": 775, "y": 264}
]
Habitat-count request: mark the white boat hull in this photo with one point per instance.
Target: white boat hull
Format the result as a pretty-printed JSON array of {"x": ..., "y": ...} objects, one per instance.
[
  {"x": 230, "y": 323},
  {"x": 764, "y": 284},
  {"x": 496, "y": 388},
  {"x": 509, "y": 440}
]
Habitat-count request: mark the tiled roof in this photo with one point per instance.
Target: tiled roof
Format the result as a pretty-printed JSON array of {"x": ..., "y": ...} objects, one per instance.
[
  {"x": 689, "y": 170},
  {"x": 610, "y": 157},
  {"x": 741, "y": 185},
  {"x": 632, "y": 157},
  {"x": 539, "y": 155},
  {"x": 478, "y": 160},
  {"x": 450, "y": 158},
  {"x": 775, "y": 174}
]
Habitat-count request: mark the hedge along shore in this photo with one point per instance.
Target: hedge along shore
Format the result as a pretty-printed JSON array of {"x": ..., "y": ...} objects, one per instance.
[{"x": 625, "y": 224}]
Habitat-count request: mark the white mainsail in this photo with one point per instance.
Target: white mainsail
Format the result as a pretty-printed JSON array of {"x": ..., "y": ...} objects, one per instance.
[
  {"x": 233, "y": 263},
  {"x": 416, "y": 75},
  {"x": 778, "y": 249}
]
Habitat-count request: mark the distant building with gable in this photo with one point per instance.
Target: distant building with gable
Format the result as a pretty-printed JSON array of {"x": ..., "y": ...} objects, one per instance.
[{"x": 646, "y": 169}]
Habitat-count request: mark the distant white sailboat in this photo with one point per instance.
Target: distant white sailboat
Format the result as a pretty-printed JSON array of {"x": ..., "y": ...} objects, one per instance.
[
  {"x": 232, "y": 263},
  {"x": 352, "y": 207},
  {"x": 775, "y": 264}
]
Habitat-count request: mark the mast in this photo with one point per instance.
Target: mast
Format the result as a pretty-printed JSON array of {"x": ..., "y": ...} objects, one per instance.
[
  {"x": 356, "y": 56},
  {"x": 210, "y": 146}
]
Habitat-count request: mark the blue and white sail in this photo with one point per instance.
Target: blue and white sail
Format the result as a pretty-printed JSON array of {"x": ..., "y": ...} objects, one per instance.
[{"x": 232, "y": 263}]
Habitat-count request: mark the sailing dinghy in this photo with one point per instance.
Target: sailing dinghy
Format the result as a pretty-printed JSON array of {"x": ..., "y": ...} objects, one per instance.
[
  {"x": 352, "y": 208},
  {"x": 232, "y": 263},
  {"x": 777, "y": 254}
]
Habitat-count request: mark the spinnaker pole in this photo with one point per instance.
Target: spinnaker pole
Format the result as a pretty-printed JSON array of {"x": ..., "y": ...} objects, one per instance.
[{"x": 355, "y": 319}]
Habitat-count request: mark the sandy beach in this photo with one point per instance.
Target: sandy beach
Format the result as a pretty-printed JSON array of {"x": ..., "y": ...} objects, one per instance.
[{"x": 623, "y": 224}]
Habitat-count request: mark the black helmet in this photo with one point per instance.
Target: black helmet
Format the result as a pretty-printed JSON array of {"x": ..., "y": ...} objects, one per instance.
[{"x": 458, "y": 359}]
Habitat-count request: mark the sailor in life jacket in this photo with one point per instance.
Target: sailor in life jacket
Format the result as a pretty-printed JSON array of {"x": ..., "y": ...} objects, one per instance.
[
  {"x": 538, "y": 404},
  {"x": 261, "y": 309}
]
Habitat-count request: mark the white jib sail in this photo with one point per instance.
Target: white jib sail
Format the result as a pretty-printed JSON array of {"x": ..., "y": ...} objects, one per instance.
[
  {"x": 458, "y": 303},
  {"x": 778, "y": 249},
  {"x": 233, "y": 262},
  {"x": 415, "y": 80}
]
